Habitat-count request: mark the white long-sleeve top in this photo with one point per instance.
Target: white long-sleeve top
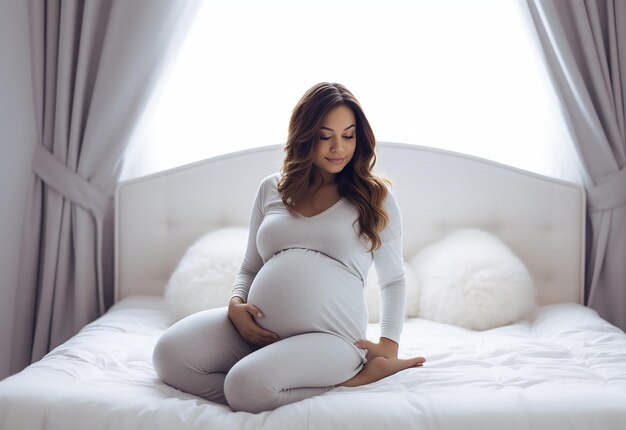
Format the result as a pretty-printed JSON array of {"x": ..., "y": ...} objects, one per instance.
[{"x": 309, "y": 273}]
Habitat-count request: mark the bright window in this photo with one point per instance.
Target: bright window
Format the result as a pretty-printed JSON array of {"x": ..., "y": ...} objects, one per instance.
[{"x": 461, "y": 75}]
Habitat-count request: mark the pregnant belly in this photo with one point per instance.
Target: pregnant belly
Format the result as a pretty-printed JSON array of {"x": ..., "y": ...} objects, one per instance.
[{"x": 302, "y": 291}]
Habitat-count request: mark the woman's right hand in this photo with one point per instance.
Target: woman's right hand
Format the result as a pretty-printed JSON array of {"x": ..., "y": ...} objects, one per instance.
[{"x": 241, "y": 314}]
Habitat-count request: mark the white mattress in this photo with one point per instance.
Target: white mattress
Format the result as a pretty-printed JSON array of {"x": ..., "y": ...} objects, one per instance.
[{"x": 564, "y": 369}]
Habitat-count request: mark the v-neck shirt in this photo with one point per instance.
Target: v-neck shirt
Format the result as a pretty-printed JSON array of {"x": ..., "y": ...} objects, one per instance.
[{"x": 333, "y": 233}]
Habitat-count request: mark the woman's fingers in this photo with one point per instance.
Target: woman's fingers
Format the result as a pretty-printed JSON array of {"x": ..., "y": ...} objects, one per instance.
[
  {"x": 259, "y": 336},
  {"x": 260, "y": 331},
  {"x": 254, "y": 311},
  {"x": 265, "y": 334},
  {"x": 260, "y": 341},
  {"x": 364, "y": 344},
  {"x": 377, "y": 350},
  {"x": 251, "y": 331},
  {"x": 372, "y": 348}
]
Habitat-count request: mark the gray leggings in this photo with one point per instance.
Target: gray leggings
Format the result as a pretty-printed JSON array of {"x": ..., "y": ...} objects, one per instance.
[{"x": 203, "y": 354}]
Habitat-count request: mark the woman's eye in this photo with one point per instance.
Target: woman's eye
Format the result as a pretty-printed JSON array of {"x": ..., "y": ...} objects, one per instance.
[
  {"x": 349, "y": 137},
  {"x": 325, "y": 137}
]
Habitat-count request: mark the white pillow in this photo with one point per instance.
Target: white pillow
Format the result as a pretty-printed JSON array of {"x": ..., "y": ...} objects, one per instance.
[
  {"x": 472, "y": 279},
  {"x": 373, "y": 300},
  {"x": 206, "y": 273}
]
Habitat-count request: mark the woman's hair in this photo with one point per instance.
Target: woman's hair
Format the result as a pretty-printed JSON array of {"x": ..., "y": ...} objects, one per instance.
[{"x": 356, "y": 181}]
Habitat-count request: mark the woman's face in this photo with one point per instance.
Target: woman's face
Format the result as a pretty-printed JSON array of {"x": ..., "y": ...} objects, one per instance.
[{"x": 335, "y": 143}]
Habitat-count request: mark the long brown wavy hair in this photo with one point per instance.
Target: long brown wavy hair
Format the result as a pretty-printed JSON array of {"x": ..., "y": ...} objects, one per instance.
[{"x": 355, "y": 182}]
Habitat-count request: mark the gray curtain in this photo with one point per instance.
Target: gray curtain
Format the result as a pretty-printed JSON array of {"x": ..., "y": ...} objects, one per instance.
[
  {"x": 585, "y": 47},
  {"x": 94, "y": 65}
]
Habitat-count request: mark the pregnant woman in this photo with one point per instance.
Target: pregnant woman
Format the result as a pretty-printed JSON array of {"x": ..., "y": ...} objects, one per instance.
[{"x": 295, "y": 326}]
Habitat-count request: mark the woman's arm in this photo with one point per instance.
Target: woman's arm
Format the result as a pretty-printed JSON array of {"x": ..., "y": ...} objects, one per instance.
[
  {"x": 382, "y": 357},
  {"x": 389, "y": 264},
  {"x": 252, "y": 261},
  {"x": 392, "y": 286},
  {"x": 241, "y": 313}
]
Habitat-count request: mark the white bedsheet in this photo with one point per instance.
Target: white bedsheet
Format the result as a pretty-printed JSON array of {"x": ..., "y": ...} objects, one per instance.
[{"x": 564, "y": 369}]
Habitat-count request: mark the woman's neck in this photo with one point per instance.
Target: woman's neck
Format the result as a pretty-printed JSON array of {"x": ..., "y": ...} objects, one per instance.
[{"x": 323, "y": 179}]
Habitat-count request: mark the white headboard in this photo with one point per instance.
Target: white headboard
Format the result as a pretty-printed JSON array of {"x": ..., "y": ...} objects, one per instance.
[{"x": 541, "y": 219}]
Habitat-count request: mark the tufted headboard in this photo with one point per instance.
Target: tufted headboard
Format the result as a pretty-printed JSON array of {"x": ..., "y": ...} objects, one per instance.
[{"x": 541, "y": 219}]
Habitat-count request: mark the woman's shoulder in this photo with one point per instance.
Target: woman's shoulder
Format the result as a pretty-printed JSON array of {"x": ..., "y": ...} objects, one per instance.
[
  {"x": 271, "y": 180},
  {"x": 390, "y": 202},
  {"x": 394, "y": 228},
  {"x": 269, "y": 183}
]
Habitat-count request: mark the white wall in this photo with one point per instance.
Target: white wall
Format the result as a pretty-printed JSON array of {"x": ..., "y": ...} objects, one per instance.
[{"x": 17, "y": 142}]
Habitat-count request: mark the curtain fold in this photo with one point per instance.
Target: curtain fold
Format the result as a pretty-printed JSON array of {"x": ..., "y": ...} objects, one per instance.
[
  {"x": 585, "y": 48},
  {"x": 94, "y": 66}
]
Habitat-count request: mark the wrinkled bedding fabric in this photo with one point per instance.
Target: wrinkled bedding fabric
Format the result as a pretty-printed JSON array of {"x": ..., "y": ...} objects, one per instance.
[{"x": 565, "y": 368}]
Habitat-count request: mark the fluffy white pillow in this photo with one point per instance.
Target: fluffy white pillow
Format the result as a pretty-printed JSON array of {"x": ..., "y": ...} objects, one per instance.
[
  {"x": 373, "y": 300},
  {"x": 206, "y": 273},
  {"x": 472, "y": 279}
]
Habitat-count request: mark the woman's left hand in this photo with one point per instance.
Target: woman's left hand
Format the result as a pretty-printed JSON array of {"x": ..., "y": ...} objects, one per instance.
[
  {"x": 389, "y": 349},
  {"x": 382, "y": 361}
]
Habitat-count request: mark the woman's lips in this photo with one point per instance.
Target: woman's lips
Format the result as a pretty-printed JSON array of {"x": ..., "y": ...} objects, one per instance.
[{"x": 336, "y": 160}]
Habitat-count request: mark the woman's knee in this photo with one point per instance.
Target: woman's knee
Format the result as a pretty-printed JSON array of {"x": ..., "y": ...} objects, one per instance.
[
  {"x": 166, "y": 359},
  {"x": 246, "y": 390},
  {"x": 199, "y": 341}
]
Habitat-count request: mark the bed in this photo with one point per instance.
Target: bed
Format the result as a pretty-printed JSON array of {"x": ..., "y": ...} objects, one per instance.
[{"x": 562, "y": 367}]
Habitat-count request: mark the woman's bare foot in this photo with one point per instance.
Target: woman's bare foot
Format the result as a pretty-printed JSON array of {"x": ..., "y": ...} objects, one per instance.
[{"x": 380, "y": 367}]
